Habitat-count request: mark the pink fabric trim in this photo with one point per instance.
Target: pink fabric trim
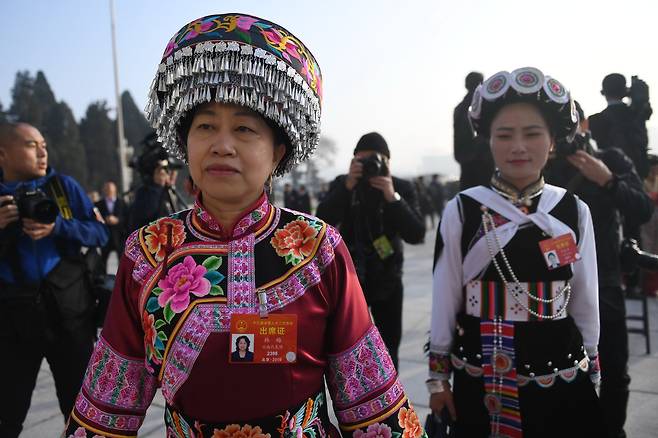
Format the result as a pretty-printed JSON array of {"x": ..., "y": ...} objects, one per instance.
[
  {"x": 118, "y": 381},
  {"x": 372, "y": 408},
  {"x": 361, "y": 370},
  {"x": 93, "y": 414}
]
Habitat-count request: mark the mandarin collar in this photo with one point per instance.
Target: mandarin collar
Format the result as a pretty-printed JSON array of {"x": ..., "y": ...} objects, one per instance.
[
  {"x": 515, "y": 196},
  {"x": 250, "y": 220}
]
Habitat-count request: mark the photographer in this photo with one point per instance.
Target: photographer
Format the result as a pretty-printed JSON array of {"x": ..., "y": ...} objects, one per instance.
[
  {"x": 46, "y": 308},
  {"x": 157, "y": 196},
  {"x": 375, "y": 212},
  {"x": 624, "y": 126},
  {"x": 607, "y": 181}
]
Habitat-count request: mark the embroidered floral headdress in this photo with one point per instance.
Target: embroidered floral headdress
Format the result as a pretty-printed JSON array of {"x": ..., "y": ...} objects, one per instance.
[
  {"x": 237, "y": 58},
  {"x": 525, "y": 84}
]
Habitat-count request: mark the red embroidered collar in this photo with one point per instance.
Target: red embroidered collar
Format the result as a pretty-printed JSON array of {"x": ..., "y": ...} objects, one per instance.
[{"x": 252, "y": 220}]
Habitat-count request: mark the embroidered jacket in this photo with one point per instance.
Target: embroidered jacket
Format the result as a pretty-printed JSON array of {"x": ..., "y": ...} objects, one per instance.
[{"x": 181, "y": 279}]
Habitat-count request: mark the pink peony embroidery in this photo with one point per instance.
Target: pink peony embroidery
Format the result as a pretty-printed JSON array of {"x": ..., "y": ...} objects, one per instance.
[
  {"x": 182, "y": 280},
  {"x": 80, "y": 432},
  {"x": 377, "y": 430}
]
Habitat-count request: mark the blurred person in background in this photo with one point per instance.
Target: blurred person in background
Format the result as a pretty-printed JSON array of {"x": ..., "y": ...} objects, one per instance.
[
  {"x": 115, "y": 213},
  {"x": 471, "y": 151}
]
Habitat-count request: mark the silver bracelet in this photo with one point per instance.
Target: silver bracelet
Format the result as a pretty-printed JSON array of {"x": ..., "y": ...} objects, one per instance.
[{"x": 435, "y": 386}]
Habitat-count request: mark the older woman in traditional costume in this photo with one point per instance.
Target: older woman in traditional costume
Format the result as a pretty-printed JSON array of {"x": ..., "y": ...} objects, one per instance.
[{"x": 239, "y": 98}]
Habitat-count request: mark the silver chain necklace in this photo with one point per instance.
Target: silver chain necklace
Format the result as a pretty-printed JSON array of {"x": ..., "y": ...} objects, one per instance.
[{"x": 515, "y": 286}]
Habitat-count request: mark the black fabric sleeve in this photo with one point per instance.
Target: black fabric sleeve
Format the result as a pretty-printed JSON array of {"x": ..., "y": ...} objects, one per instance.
[
  {"x": 405, "y": 213},
  {"x": 627, "y": 191},
  {"x": 335, "y": 204}
]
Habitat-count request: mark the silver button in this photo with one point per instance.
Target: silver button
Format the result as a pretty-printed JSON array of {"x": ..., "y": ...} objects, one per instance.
[
  {"x": 527, "y": 366},
  {"x": 479, "y": 356},
  {"x": 555, "y": 370},
  {"x": 549, "y": 363},
  {"x": 569, "y": 356},
  {"x": 532, "y": 374}
]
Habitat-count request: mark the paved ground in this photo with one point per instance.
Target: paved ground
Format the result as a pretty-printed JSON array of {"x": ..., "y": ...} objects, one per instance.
[{"x": 44, "y": 419}]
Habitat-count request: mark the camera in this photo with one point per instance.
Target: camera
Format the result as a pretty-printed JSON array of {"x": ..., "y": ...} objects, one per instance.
[
  {"x": 633, "y": 257},
  {"x": 373, "y": 165},
  {"x": 639, "y": 91},
  {"x": 152, "y": 157},
  {"x": 580, "y": 143},
  {"x": 34, "y": 204}
]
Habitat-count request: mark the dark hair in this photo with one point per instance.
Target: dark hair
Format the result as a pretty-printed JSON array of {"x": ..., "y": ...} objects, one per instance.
[
  {"x": 473, "y": 79},
  {"x": 8, "y": 131},
  {"x": 614, "y": 86},
  {"x": 246, "y": 339}
]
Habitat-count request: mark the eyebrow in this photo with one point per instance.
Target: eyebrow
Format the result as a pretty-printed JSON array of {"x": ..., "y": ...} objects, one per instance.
[
  {"x": 241, "y": 112},
  {"x": 525, "y": 128}
]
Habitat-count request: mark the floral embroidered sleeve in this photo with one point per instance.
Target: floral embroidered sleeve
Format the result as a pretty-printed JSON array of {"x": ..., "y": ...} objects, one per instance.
[
  {"x": 117, "y": 387},
  {"x": 368, "y": 398}
]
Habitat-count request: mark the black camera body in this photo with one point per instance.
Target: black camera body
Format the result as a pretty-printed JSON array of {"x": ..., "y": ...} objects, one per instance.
[
  {"x": 565, "y": 148},
  {"x": 34, "y": 204},
  {"x": 373, "y": 165},
  {"x": 152, "y": 156},
  {"x": 632, "y": 257}
]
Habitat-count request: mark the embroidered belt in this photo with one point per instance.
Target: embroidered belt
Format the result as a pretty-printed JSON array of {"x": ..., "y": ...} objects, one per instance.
[
  {"x": 490, "y": 299},
  {"x": 544, "y": 380},
  {"x": 309, "y": 418}
]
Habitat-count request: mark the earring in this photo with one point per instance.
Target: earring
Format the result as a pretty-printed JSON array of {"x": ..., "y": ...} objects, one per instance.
[{"x": 270, "y": 184}]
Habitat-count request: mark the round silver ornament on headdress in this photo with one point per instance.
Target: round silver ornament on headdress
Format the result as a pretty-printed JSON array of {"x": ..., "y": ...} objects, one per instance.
[{"x": 526, "y": 84}]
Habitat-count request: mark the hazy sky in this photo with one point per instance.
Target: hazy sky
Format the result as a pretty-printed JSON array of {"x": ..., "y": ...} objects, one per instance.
[{"x": 396, "y": 67}]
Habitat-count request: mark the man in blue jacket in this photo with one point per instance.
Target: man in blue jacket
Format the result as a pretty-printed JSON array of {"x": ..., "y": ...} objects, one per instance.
[{"x": 46, "y": 307}]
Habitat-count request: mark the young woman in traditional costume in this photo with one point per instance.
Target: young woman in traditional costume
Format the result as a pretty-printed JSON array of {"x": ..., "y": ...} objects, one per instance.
[
  {"x": 518, "y": 334},
  {"x": 238, "y": 98}
]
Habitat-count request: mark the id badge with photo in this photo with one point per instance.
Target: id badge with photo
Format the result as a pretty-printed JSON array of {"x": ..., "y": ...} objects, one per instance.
[
  {"x": 559, "y": 251},
  {"x": 268, "y": 341}
]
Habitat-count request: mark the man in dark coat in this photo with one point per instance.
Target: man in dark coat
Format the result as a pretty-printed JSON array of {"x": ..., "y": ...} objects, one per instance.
[
  {"x": 375, "y": 212},
  {"x": 624, "y": 126},
  {"x": 114, "y": 212},
  {"x": 471, "y": 151},
  {"x": 607, "y": 181}
]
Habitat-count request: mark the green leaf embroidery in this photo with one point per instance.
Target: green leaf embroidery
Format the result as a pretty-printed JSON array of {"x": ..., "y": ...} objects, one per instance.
[
  {"x": 168, "y": 313},
  {"x": 212, "y": 263},
  {"x": 162, "y": 336},
  {"x": 152, "y": 305},
  {"x": 159, "y": 323},
  {"x": 158, "y": 354},
  {"x": 216, "y": 290},
  {"x": 156, "y": 291}
]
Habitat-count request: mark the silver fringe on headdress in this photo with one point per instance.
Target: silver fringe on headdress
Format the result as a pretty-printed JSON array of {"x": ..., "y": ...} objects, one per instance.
[{"x": 238, "y": 73}]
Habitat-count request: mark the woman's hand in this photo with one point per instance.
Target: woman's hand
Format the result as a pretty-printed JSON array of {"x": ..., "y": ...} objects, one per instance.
[{"x": 443, "y": 399}]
